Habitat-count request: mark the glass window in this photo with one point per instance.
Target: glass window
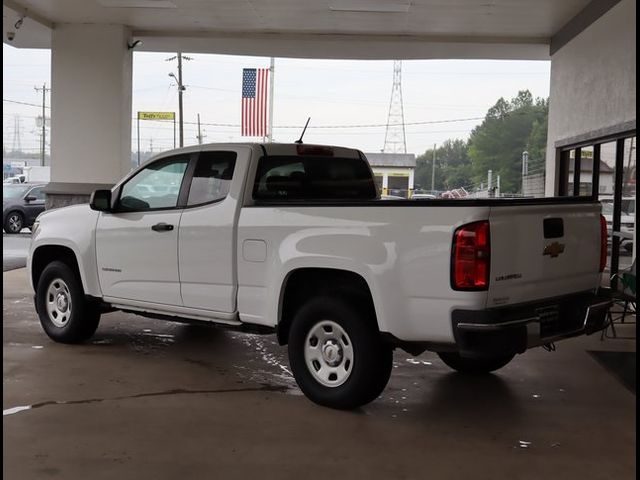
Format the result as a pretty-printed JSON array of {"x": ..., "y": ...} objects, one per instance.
[
  {"x": 37, "y": 193},
  {"x": 313, "y": 178},
  {"x": 212, "y": 177},
  {"x": 156, "y": 186},
  {"x": 13, "y": 191}
]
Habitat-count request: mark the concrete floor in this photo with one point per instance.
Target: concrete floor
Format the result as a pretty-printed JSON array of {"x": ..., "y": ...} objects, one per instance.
[{"x": 149, "y": 399}]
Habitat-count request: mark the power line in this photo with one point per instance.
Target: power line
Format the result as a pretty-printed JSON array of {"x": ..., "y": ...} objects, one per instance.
[{"x": 23, "y": 103}]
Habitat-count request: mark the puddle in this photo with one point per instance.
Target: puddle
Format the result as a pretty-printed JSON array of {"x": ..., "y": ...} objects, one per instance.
[
  {"x": 415, "y": 361},
  {"x": 37, "y": 347},
  {"x": 159, "y": 335},
  {"x": 282, "y": 374}
]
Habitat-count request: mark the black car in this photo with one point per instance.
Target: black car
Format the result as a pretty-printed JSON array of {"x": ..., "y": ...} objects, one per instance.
[{"x": 21, "y": 204}]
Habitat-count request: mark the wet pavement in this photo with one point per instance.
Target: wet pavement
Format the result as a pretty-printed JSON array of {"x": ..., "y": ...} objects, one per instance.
[{"x": 152, "y": 399}]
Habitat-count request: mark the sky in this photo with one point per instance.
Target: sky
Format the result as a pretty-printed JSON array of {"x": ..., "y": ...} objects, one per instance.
[{"x": 351, "y": 95}]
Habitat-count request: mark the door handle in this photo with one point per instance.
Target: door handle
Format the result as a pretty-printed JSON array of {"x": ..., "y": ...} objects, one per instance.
[{"x": 162, "y": 227}]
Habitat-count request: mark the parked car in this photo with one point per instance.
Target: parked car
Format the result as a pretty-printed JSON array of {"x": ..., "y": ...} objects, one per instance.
[
  {"x": 293, "y": 239},
  {"x": 21, "y": 204},
  {"x": 423, "y": 196},
  {"x": 627, "y": 220},
  {"x": 15, "y": 179}
]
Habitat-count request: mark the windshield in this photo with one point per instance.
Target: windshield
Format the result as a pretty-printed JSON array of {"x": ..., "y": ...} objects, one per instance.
[{"x": 13, "y": 191}]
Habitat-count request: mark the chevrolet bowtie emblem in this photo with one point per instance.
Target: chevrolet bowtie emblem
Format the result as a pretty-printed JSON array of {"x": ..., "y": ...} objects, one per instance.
[{"x": 553, "y": 249}]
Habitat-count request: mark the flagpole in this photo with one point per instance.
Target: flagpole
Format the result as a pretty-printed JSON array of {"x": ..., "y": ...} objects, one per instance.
[{"x": 271, "y": 81}]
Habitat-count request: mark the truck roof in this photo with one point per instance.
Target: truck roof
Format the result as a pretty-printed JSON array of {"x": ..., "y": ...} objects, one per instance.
[{"x": 270, "y": 148}]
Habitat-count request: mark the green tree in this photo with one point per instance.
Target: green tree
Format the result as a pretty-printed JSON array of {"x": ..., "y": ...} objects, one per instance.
[
  {"x": 452, "y": 166},
  {"x": 509, "y": 128},
  {"x": 537, "y": 145}
]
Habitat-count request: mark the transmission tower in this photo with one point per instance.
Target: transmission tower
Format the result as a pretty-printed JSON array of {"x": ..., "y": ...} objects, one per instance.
[
  {"x": 16, "y": 134},
  {"x": 395, "y": 140}
]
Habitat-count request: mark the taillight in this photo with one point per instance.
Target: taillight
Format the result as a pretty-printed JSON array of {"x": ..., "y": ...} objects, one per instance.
[
  {"x": 603, "y": 242},
  {"x": 471, "y": 256}
]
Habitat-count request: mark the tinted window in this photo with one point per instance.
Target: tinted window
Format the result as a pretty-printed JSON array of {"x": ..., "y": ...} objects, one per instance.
[
  {"x": 156, "y": 186},
  {"x": 313, "y": 178},
  {"x": 212, "y": 177}
]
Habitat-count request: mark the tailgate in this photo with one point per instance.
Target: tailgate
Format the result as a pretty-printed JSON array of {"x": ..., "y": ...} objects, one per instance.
[{"x": 543, "y": 251}]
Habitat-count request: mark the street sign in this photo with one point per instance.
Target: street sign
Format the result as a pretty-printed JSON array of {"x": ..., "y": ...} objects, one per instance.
[{"x": 156, "y": 115}]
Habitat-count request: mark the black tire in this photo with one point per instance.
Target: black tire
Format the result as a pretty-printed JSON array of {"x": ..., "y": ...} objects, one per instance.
[
  {"x": 370, "y": 369},
  {"x": 14, "y": 222},
  {"x": 475, "y": 364},
  {"x": 82, "y": 317}
]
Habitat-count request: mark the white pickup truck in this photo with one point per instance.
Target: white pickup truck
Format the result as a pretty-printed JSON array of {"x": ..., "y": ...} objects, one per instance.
[{"x": 294, "y": 239}]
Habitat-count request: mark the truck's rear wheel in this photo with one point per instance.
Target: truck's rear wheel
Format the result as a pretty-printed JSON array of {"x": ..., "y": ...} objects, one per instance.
[
  {"x": 336, "y": 354},
  {"x": 64, "y": 312},
  {"x": 474, "y": 364}
]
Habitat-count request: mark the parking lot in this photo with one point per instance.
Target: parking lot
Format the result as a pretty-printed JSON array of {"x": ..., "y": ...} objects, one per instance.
[{"x": 152, "y": 399}]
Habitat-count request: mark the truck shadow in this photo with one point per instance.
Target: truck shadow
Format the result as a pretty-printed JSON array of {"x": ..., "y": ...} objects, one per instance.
[{"x": 477, "y": 399}]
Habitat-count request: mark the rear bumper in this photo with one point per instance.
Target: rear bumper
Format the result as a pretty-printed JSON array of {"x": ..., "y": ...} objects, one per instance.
[{"x": 515, "y": 328}]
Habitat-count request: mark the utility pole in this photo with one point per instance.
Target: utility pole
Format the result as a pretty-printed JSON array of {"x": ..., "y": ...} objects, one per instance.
[
  {"x": 181, "y": 88},
  {"x": 433, "y": 170},
  {"x": 17, "y": 145},
  {"x": 272, "y": 69},
  {"x": 525, "y": 167},
  {"x": 199, "y": 133},
  {"x": 44, "y": 119}
]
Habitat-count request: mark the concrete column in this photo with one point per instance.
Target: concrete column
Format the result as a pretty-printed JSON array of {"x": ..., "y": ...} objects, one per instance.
[
  {"x": 91, "y": 75},
  {"x": 385, "y": 183},
  {"x": 411, "y": 175}
]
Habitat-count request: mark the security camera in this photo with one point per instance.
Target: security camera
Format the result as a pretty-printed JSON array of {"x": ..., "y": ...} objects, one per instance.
[{"x": 11, "y": 36}]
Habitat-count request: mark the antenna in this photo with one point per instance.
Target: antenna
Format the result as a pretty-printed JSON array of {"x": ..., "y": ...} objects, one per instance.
[{"x": 304, "y": 130}]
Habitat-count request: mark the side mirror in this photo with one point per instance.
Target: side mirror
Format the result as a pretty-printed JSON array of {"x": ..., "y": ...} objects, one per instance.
[
  {"x": 29, "y": 198},
  {"x": 101, "y": 200}
]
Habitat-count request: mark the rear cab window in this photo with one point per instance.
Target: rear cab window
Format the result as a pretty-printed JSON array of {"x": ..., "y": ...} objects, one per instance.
[{"x": 316, "y": 177}]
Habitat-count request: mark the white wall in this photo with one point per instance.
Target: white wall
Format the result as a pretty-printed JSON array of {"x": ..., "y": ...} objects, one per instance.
[
  {"x": 91, "y": 73},
  {"x": 593, "y": 81}
]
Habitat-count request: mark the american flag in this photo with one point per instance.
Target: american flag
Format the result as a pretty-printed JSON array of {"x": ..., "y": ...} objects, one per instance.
[{"x": 254, "y": 102}]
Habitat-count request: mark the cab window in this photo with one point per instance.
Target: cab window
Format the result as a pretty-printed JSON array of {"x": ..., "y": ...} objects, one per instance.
[
  {"x": 155, "y": 187},
  {"x": 211, "y": 177}
]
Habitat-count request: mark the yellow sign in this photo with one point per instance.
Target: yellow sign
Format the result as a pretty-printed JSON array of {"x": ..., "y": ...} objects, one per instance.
[{"x": 156, "y": 115}]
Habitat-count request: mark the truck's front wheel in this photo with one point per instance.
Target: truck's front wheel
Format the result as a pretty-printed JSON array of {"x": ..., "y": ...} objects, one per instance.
[
  {"x": 64, "y": 312},
  {"x": 336, "y": 354},
  {"x": 474, "y": 364}
]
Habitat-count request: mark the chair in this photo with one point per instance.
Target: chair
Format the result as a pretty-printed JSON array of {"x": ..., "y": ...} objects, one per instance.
[{"x": 624, "y": 296}]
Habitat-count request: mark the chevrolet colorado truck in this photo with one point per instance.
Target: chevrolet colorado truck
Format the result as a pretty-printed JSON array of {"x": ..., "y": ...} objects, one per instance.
[{"x": 294, "y": 239}]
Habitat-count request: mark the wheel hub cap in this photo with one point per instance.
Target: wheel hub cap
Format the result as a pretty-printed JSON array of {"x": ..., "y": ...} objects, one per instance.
[
  {"x": 329, "y": 353},
  {"x": 62, "y": 302},
  {"x": 332, "y": 353},
  {"x": 58, "y": 302}
]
